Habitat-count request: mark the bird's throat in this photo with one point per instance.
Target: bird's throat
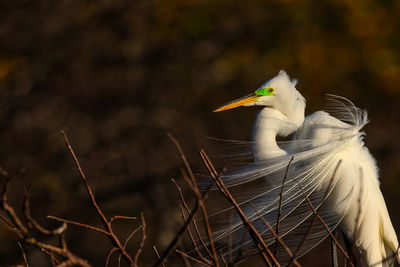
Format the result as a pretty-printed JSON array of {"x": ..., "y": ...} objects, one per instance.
[{"x": 270, "y": 123}]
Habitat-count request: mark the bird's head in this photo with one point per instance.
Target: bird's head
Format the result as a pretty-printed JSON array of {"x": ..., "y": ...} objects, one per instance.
[{"x": 277, "y": 93}]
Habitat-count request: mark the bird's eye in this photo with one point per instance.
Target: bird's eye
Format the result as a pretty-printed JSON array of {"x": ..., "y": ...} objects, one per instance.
[{"x": 265, "y": 91}]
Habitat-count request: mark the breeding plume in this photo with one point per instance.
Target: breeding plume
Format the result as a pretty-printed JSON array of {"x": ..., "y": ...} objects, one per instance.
[{"x": 330, "y": 165}]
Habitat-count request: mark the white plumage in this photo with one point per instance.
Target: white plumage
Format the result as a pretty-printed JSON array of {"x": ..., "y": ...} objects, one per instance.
[{"x": 330, "y": 164}]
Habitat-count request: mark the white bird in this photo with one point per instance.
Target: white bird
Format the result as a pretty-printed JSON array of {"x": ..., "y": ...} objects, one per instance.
[{"x": 331, "y": 166}]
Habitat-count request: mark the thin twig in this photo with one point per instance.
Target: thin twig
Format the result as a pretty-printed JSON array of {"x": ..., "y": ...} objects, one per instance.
[
  {"x": 258, "y": 240},
  {"x": 183, "y": 157},
  {"x": 194, "y": 223},
  {"x": 325, "y": 225},
  {"x": 202, "y": 207},
  {"x": 143, "y": 239},
  {"x": 335, "y": 262},
  {"x": 191, "y": 237},
  {"x": 157, "y": 254},
  {"x": 7, "y": 221},
  {"x": 278, "y": 239},
  {"x": 114, "y": 239},
  {"x": 83, "y": 176},
  {"x": 278, "y": 219},
  {"x": 109, "y": 255},
  {"x": 185, "y": 260},
  {"x": 23, "y": 254},
  {"x": 223, "y": 258},
  {"x": 131, "y": 235},
  {"x": 50, "y": 254},
  {"x": 33, "y": 222},
  {"x": 193, "y": 259},
  {"x": 53, "y": 259},
  {"x": 63, "y": 243},
  {"x": 195, "y": 190},
  {"x": 127, "y": 240},
  {"x": 87, "y": 226},
  {"x": 22, "y": 230},
  {"x": 303, "y": 241},
  {"x": 173, "y": 243},
  {"x": 117, "y": 217},
  {"x": 199, "y": 199},
  {"x": 87, "y": 187},
  {"x": 65, "y": 253}
]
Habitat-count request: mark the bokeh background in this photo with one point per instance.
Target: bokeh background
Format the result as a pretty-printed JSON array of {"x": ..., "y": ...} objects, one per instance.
[{"x": 118, "y": 75}]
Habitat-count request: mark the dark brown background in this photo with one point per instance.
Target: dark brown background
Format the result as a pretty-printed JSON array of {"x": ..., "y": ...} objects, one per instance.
[{"x": 117, "y": 75}]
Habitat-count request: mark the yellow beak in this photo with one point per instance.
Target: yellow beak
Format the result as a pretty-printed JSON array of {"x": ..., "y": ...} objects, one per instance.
[{"x": 251, "y": 98}]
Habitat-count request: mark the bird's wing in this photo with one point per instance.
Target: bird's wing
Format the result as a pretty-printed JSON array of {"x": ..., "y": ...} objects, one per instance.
[{"x": 311, "y": 182}]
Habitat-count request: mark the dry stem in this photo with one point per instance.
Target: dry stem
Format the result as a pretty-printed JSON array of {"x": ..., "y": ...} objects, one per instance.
[
  {"x": 107, "y": 223},
  {"x": 278, "y": 219},
  {"x": 258, "y": 240}
]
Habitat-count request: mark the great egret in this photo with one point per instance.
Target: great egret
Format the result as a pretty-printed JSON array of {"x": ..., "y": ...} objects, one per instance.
[{"x": 330, "y": 165}]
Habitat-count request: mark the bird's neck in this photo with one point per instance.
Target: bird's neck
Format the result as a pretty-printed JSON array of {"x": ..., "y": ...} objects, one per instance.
[{"x": 268, "y": 124}]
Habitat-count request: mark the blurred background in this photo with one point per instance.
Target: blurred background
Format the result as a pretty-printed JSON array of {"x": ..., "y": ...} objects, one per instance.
[{"x": 118, "y": 75}]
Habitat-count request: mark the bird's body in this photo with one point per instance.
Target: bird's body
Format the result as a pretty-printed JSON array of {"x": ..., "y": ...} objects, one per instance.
[
  {"x": 331, "y": 166},
  {"x": 366, "y": 223}
]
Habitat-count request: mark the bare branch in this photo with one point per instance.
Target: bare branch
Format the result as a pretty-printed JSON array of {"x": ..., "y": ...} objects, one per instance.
[
  {"x": 22, "y": 230},
  {"x": 204, "y": 195},
  {"x": 303, "y": 241},
  {"x": 114, "y": 239},
  {"x": 127, "y": 240},
  {"x": 278, "y": 219},
  {"x": 157, "y": 254},
  {"x": 191, "y": 235},
  {"x": 194, "y": 223},
  {"x": 109, "y": 255},
  {"x": 278, "y": 239},
  {"x": 87, "y": 187},
  {"x": 50, "y": 254},
  {"x": 183, "y": 157},
  {"x": 87, "y": 226},
  {"x": 33, "y": 222},
  {"x": 325, "y": 225},
  {"x": 63, "y": 243},
  {"x": 199, "y": 203},
  {"x": 223, "y": 259},
  {"x": 258, "y": 240},
  {"x": 7, "y": 222},
  {"x": 335, "y": 262},
  {"x": 119, "y": 217},
  {"x": 199, "y": 197},
  {"x": 173, "y": 243},
  {"x": 193, "y": 259},
  {"x": 65, "y": 253},
  {"x": 143, "y": 239},
  {"x": 23, "y": 254}
]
